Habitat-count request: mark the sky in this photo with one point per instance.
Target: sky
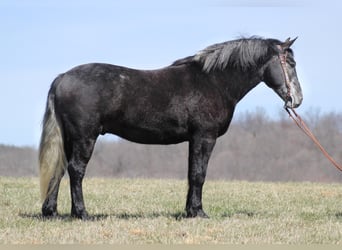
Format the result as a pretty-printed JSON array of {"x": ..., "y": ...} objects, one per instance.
[{"x": 41, "y": 39}]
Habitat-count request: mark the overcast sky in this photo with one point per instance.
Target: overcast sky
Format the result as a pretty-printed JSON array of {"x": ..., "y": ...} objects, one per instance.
[{"x": 40, "y": 39}]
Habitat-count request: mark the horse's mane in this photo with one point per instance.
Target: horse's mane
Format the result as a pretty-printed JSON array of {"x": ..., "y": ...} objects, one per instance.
[{"x": 244, "y": 53}]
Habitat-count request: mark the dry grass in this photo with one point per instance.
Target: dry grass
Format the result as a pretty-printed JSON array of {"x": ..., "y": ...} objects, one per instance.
[{"x": 132, "y": 211}]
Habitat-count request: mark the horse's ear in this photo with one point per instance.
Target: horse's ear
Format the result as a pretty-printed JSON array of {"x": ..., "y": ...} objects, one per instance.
[{"x": 288, "y": 43}]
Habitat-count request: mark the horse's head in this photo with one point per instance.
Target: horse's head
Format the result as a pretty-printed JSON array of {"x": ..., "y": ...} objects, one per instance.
[{"x": 280, "y": 75}]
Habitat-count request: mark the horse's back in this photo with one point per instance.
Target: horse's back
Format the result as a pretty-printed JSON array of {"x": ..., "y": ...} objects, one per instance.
[{"x": 141, "y": 106}]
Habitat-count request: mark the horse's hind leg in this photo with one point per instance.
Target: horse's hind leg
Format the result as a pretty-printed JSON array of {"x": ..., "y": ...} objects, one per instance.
[
  {"x": 49, "y": 208},
  {"x": 81, "y": 151}
]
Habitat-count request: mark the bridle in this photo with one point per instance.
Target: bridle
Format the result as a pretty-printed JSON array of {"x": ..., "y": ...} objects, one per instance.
[
  {"x": 296, "y": 117},
  {"x": 283, "y": 58}
]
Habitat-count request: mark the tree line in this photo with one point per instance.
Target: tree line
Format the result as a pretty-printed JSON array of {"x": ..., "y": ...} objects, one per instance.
[{"x": 255, "y": 148}]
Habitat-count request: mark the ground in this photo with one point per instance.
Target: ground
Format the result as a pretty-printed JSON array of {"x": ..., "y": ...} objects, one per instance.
[{"x": 140, "y": 211}]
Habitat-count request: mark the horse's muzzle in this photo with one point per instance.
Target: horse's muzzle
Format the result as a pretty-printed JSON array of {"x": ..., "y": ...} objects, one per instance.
[{"x": 293, "y": 102}]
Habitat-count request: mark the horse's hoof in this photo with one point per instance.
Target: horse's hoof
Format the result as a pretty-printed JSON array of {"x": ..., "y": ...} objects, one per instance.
[
  {"x": 202, "y": 214},
  {"x": 49, "y": 212},
  {"x": 82, "y": 215},
  {"x": 196, "y": 213}
]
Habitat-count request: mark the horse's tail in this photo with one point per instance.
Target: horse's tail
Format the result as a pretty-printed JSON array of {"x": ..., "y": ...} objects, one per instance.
[{"x": 52, "y": 159}]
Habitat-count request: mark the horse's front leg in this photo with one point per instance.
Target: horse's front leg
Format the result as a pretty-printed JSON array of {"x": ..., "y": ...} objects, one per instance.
[{"x": 200, "y": 148}]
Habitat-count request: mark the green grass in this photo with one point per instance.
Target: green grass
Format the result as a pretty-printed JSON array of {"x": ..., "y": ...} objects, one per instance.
[{"x": 141, "y": 211}]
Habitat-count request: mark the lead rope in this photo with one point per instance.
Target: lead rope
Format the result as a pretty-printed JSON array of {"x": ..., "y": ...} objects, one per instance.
[
  {"x": 297, "y": 119},
  {"x": 301, "y": 124}
]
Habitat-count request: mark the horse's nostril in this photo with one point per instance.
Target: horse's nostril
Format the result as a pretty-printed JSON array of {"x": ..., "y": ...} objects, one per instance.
[{"x": 289, "y": 102}]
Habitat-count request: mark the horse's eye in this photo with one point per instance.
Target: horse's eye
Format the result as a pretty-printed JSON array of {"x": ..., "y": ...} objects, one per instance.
[{"x": 292, "y": 63}]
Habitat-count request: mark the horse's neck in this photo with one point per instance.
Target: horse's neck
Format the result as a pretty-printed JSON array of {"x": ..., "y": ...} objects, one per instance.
[{"x": 235, "y": 85}]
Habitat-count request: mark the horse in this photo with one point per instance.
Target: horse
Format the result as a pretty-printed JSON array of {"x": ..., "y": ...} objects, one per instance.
[{"x": 192, "y": 100}]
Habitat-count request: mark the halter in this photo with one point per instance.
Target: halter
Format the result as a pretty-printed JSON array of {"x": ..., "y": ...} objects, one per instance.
[{"x": 283, "y": 57}]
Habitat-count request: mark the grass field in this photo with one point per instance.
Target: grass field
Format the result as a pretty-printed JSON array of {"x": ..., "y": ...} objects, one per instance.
[{"x": 137, "y": 211}]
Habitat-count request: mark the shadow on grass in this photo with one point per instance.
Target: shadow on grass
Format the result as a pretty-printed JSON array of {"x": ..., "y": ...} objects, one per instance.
[
  {"x": 178, "y": 216},
  {"x": 97, "y": 217},
  {"x": 242, "y": 212},
  {"x": 338, "y": 215},
  {"x": 128, "y": 216},
  {"x": 61, "y": 217}
]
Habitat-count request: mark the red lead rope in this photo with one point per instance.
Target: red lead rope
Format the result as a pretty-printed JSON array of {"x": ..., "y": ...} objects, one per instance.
[{"x": 301, "y": 124}]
